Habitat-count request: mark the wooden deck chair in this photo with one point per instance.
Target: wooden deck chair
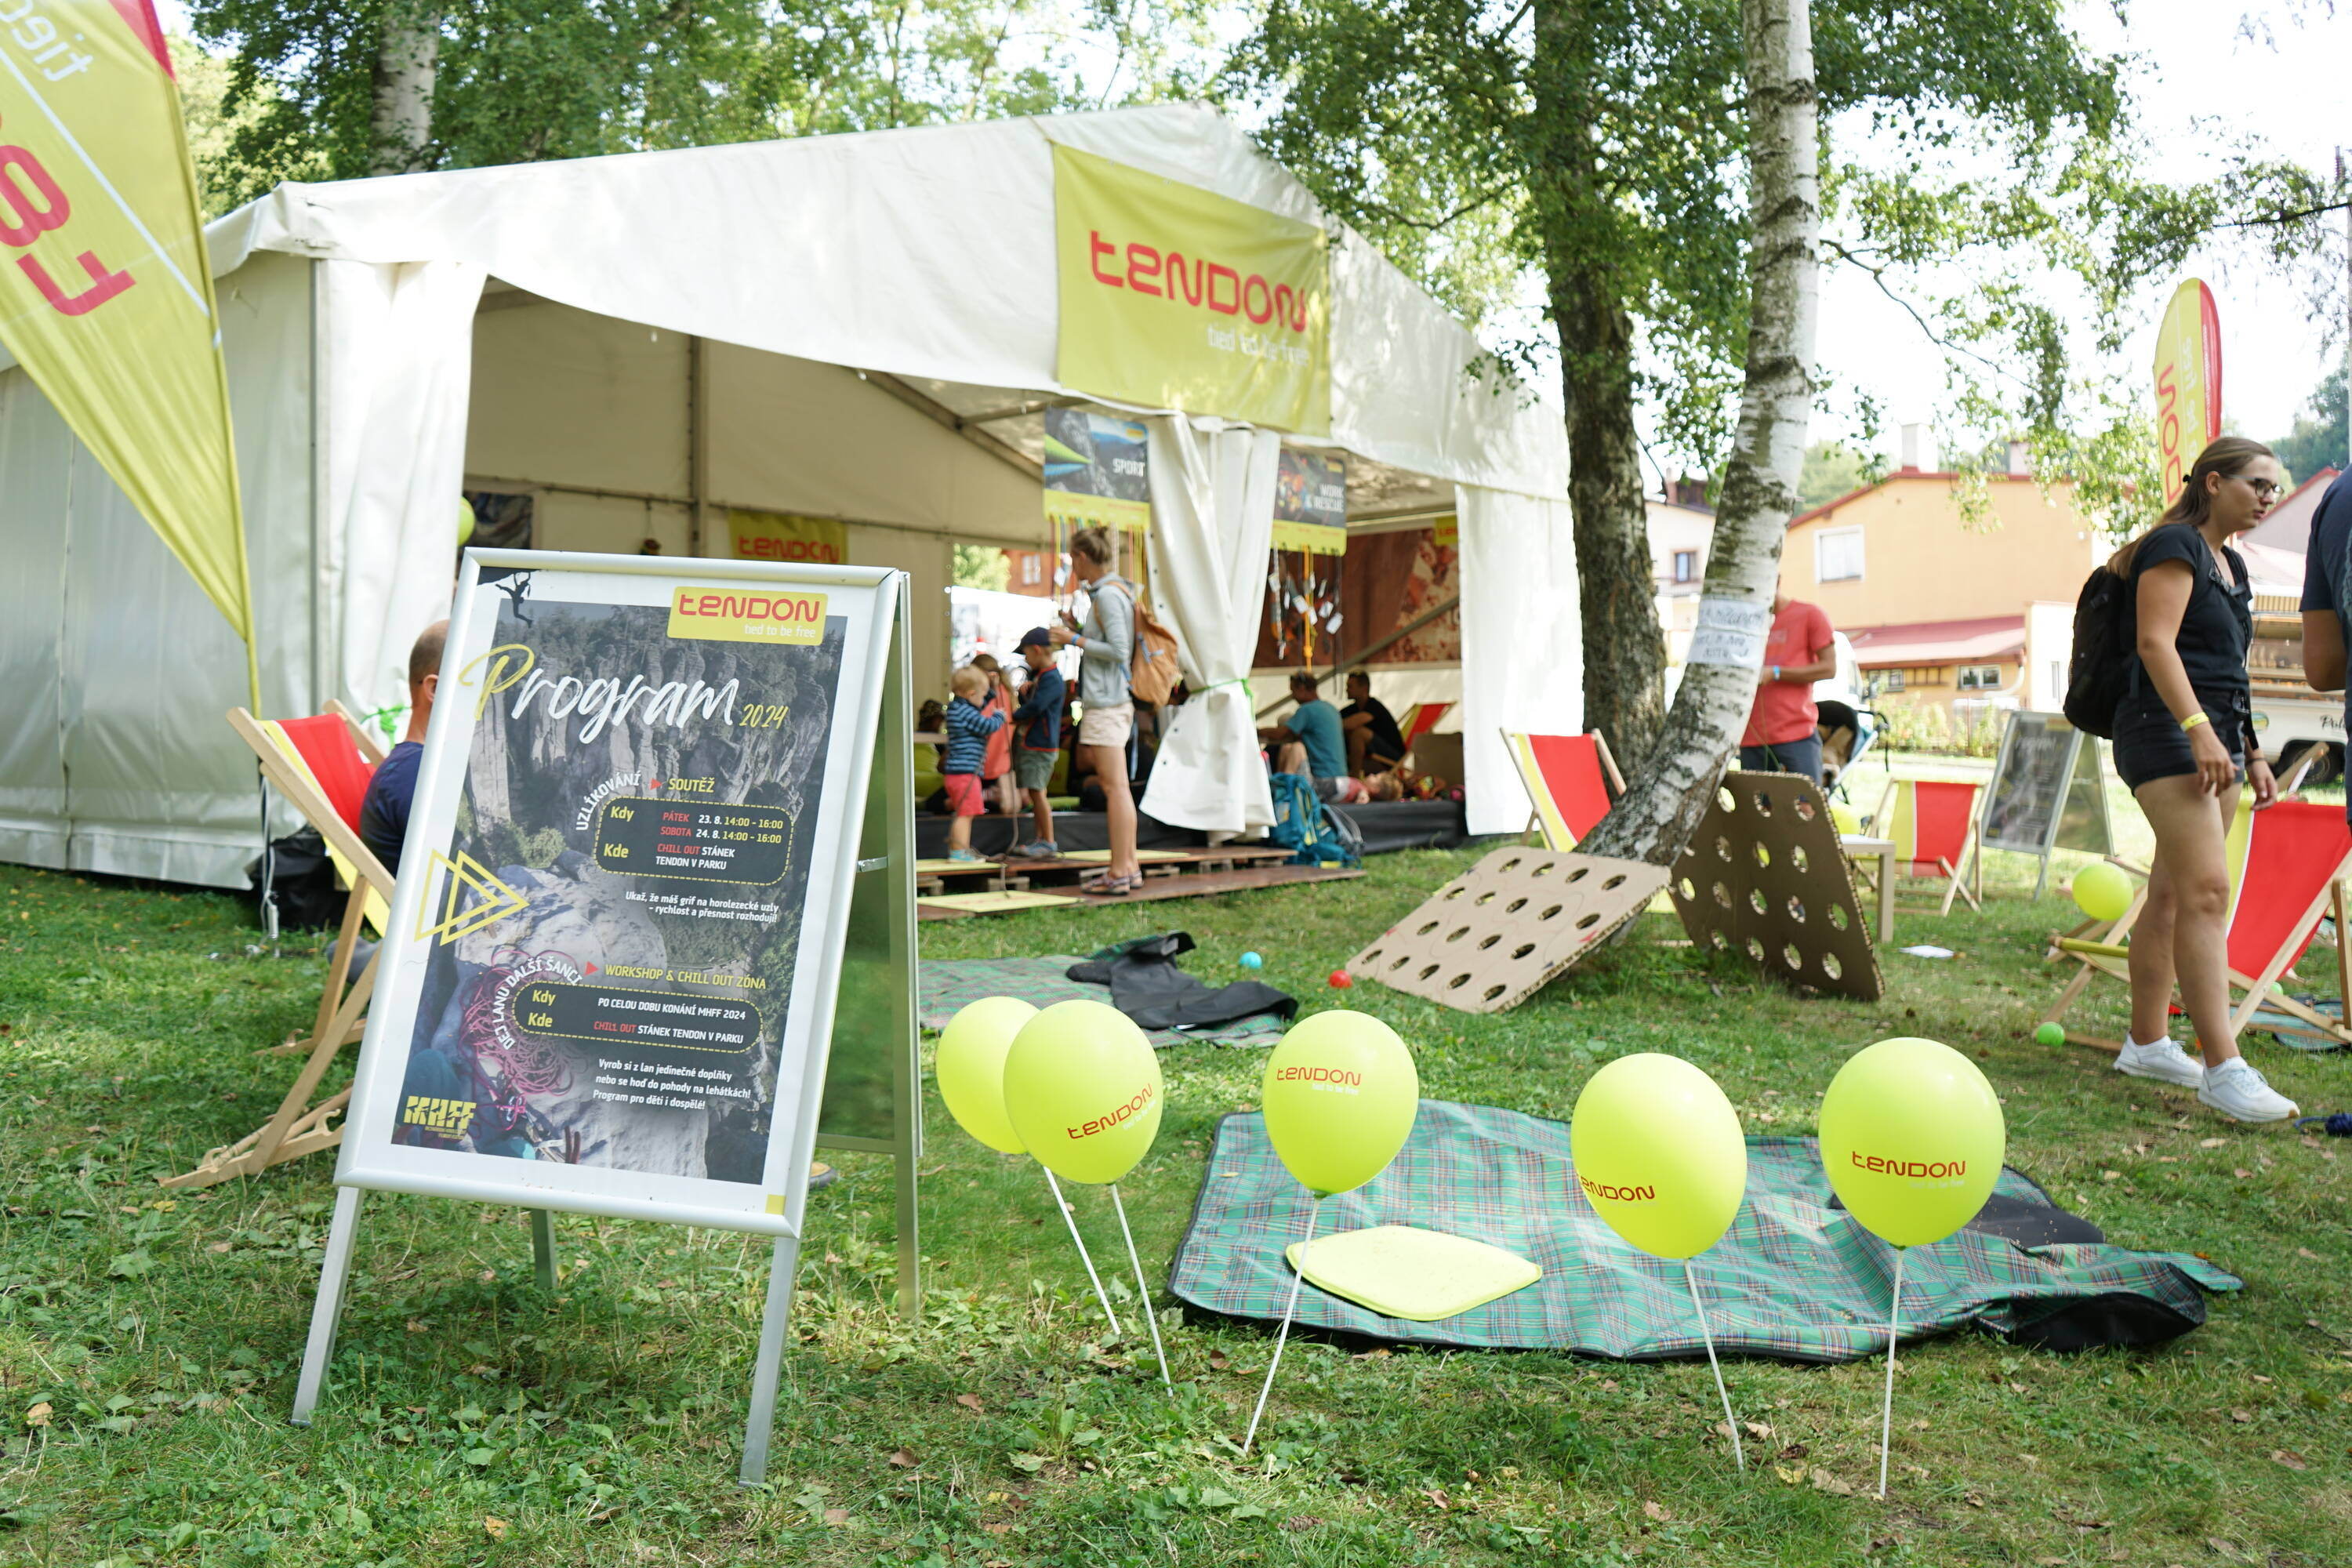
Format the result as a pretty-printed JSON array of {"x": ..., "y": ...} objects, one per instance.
[
  {"x": 2288, "y": 867},
  {"x": 1571, "y": 780},
  {"x": 1934, "y": 826},
  {"x": 322, "y": 765}
]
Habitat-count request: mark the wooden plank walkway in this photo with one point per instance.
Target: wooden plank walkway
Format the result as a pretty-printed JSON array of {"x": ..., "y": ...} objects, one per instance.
[{"x": 1190, "y": 885}]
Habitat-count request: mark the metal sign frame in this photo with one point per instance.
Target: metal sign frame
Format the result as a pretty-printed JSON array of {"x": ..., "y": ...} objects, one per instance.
[
  {"x": 2073, "y": 780},
  {"x": 856, "y": 921}
]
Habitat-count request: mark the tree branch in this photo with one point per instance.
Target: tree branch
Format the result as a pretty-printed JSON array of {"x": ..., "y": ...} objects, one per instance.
[
  {"x": 2268, "y": 219},
  {"x": 1878, "y": 276}
]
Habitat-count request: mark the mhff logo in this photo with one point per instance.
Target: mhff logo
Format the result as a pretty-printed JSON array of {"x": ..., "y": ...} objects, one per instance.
[
  {"x": 1125, "y": 1114},
  {"x": 1147, "y": 270},
  {"x": 1615, "y": 1195},
  {"x": 1913, "y": 1170}
]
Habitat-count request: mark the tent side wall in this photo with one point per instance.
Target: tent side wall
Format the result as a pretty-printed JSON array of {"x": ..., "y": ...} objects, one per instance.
[{"x": 113, "y": 753}]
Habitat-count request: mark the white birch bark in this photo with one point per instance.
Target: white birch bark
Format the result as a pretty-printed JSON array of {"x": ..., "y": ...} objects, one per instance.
[
  {"x": 407, "y": 59},
  {"x": 1665, "y": 802}
]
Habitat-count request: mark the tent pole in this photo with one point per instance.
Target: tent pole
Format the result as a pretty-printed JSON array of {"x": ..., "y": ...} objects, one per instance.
[{"x": 698, "y": 443}]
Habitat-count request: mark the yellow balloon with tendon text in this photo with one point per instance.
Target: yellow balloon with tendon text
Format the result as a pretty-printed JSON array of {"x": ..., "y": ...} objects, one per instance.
[
  {"x": 1912, "y": 1139},
  {"x": 1659, "y": 1153},
  {"x": 969, "y": 1067},
  {"x": 1082, "y": 1087},
  {"x": 1341, "y": 1094}
]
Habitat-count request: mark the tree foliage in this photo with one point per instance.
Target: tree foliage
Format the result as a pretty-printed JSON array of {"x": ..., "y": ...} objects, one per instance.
[{"x": 2320, "y": 436}]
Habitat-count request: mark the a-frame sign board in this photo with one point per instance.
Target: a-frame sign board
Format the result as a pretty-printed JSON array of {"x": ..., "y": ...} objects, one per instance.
[
  {"x": 654, "y": 938},
  {"x": 2048, "y": 791}
]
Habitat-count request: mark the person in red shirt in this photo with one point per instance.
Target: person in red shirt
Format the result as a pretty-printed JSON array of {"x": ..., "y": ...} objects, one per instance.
[{"x": 1781, "y": 736}]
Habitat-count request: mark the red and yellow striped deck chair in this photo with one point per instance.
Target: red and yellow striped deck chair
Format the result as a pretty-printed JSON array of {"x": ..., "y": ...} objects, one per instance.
[
  {"x": 2287, "y": 866},
  {"x": 1571, "y": 780},
  {"x": 1933, "y": 823},
  {"x": 321, "y": 766}
]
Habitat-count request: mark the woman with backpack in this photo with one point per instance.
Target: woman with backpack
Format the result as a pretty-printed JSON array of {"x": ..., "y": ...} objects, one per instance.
[
  {"x": 1106, "y": 645},
  {"x": 2184, "y": 738}
]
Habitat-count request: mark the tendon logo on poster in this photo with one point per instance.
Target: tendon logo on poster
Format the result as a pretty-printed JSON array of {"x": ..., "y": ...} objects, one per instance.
[
  {"x": 1117, "y": 1118},
  {"x": 746, "y": 616},
  {"x": 451, "y": 1116},
  {"x": 1604, "y": 1192},
  {"x": 1947, "y": 1172},
  {"x": 1330, "y": 1080}
]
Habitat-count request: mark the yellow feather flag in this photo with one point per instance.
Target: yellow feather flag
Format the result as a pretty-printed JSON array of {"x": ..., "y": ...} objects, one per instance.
[
  {"x": 106, "y": 298},
  {"x": 2188, "y": 383}
]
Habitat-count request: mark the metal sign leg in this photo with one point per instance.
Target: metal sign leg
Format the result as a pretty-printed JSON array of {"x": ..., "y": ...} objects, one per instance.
[
  {"x": 327, "y": 1311},
  {"x": 543, "y": 1248},
  {"x": 767, "y": 1374}
]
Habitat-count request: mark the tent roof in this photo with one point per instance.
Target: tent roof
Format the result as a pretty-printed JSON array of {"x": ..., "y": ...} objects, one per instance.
[{"x": 926, "y": 254}]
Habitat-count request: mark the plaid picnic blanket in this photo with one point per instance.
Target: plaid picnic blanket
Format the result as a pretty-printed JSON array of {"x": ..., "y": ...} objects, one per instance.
[
  {"x": 944, "y": 986},
  {"x": 1793, "y": 1280}
]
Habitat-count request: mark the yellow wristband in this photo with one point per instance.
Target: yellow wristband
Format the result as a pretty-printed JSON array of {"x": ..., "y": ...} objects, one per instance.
[{"x": 2192, "y": 721}]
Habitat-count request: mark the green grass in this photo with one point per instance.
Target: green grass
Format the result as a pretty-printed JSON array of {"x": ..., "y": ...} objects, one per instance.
[{"x": 474, "y": 1420}]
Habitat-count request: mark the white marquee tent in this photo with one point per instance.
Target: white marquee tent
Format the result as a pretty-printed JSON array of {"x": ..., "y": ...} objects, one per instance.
[{"x": 860, "y": 328}]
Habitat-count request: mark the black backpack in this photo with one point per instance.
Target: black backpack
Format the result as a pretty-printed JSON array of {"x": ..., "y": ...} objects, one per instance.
[{"x": 2099, "y": 669}]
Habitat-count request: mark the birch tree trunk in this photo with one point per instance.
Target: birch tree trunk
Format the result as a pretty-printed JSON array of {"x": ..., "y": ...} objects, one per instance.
[
  {"x": 407, "y": 58},
  {"x": 1679, "y": 779}
]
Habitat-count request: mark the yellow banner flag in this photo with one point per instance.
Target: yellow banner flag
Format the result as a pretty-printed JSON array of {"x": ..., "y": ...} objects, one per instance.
[
  {"x": 105, "y": 296},
  {"x": 1174, "y": 297},
  {"x": 786, "y": 536},
  {"x": 2188, "y": 383}
]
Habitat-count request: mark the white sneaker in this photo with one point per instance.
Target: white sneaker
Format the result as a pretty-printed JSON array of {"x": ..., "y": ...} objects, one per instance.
[
  {"x": 2238, "y": 1092},
  {"x": 2160, "y": 1059}
]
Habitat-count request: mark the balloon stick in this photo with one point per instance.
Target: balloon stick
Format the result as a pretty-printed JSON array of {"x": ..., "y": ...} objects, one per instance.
[
  {"x": 1730, "y": 1421},
  {"x": 1143, "y": 1289},
  {"x": 1071, "y": 1220},
  {"x": 1314, "y": 1209},
  {"x": 1886, "y": 1416}
]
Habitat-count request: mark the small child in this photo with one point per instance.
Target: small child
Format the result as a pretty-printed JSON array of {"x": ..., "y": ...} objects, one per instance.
[
  {"x": 967, "y": 731},
  {"x": 1041, "y": 742},
  {"x": 995, "y": 772}
]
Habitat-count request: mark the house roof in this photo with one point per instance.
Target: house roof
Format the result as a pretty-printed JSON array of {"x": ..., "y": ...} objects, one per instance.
[
  {"x": 1938, "y": 642},
  {"x": 2288, "y": 526},
  {"x": 1947, "y": 477}
]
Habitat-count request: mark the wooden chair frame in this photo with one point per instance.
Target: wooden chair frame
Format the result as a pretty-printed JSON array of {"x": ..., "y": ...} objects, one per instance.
[
  {"x": 1965, "y": 881},
  {"x": 1535, "y": 830},
  {"x": 299, "y": 1128},
  {"x": 2107, "y": 954}
]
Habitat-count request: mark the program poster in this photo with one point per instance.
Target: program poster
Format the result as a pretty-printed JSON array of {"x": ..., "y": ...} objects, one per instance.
[{"x": 619, "y": 917}]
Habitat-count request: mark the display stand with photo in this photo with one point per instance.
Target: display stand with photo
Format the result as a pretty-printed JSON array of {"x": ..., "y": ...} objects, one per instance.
[
  {"x": 653, "y": 941},
  {"x": 2048, "y": 791}
]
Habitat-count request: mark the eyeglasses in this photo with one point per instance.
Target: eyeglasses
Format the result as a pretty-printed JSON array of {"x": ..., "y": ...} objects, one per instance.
[{"x": 2263, "y": 488}]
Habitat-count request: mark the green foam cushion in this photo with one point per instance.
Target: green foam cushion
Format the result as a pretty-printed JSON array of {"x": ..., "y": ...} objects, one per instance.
[{"x": 1404, "y": 1271}]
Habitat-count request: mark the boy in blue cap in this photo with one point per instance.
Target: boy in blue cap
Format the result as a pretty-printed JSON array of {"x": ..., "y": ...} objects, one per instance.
[{"x": 1037, "y": 743}]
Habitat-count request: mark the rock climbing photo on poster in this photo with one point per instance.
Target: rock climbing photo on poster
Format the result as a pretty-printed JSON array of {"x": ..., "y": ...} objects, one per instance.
[{"x": 613, "y": 924}]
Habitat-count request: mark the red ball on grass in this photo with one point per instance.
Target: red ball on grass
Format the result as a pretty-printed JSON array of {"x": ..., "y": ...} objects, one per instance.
[{"x": 1342, "y": 980}]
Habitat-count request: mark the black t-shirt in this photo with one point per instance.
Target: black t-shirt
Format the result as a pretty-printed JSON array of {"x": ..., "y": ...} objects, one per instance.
[
  {"x": 1387, "y": 740},
  {"x": 2328, "y": 561},
  {"x": 383, "y": 813},
  {"x": 2216, "y": 623}
]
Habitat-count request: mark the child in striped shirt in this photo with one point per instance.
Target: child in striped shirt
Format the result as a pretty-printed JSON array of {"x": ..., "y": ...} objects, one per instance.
[{"x": 968, "y": 733}]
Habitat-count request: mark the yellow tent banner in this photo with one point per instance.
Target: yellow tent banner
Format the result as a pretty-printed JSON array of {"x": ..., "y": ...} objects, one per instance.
[
  {"x": 1173, "y": 296},
  {"x": 786, "y": 536},
  {"x": 105, "y": 296},
  {"x": 2188, "y": 383}
]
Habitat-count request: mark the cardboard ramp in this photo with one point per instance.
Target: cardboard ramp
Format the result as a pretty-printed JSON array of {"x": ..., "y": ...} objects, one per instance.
[
  {"x": 1766, "y": 876},
  {"x": 1504, "y": 930}
]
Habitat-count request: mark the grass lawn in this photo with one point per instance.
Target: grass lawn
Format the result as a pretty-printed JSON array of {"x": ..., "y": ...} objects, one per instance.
[{"x": 149, "y": 1342}]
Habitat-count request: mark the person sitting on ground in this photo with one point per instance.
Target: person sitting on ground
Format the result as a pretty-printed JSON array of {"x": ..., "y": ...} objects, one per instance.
[
  {"x": 1310, "y": 741},
  {"x": 1040, "y": 745},
  {"x": 1375, "y": 743},
  {"x": 383, "y": 810},
  {"x": 968, "y": 732}
]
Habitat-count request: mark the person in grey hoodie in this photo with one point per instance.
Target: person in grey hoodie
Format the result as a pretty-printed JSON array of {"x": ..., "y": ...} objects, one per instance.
[{"x": 1106, "y": 645}]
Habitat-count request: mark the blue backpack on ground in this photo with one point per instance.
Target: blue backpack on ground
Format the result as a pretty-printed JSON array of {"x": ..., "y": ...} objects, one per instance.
[{"x": 1303, "y": 824}]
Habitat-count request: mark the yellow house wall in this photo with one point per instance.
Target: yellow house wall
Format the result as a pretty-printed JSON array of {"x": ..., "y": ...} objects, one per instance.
[{"x": 1923, "y": 562}]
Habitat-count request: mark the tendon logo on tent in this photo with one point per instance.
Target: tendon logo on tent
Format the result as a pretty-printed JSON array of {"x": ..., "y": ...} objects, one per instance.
[
  {"x": 1601, "y": 1192},
  {"x": 744, "y": 615},
  {"x": 1947, "y": 1172},
  {"x": 453, "y": 1116},
  {"x": 472, "y": 899},
  {"x": 1329, "y": 1080},
  {"x": 1119, "y": 1117}
]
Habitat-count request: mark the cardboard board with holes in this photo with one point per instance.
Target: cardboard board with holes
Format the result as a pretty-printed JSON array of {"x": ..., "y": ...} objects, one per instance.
[{"x": 1766, "y": 877}]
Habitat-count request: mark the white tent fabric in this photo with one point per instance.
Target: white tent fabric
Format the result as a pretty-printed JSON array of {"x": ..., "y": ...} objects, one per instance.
[
  {"x": 349, "y": 322},
  {"x": 1211, "y": 524},
  {"x": 399, "y": 345},
  {"x": 1522, "y": 650}
]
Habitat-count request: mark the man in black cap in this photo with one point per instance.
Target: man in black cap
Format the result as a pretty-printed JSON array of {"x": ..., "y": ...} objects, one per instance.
[{"x": 1037, "y": 737}]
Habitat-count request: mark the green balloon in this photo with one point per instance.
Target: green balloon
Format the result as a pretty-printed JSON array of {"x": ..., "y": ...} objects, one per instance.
[
  {"x": 2102, "y": 891},
  {"x": 971, "y": 1068},
  {"x": 1912, "y": 1138},
  {"x": 1659, "y": 1153},
  {"x": 1082, "y": 1087},
  {"x": 1341, "y": 1094}
]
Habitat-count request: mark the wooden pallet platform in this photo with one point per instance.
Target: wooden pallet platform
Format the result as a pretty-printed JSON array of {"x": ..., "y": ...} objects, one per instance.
[
  {"x": 1156, "y": 863},
  {"x": 992, "y": 875},
  {"x": 1193, "y": 885}
]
